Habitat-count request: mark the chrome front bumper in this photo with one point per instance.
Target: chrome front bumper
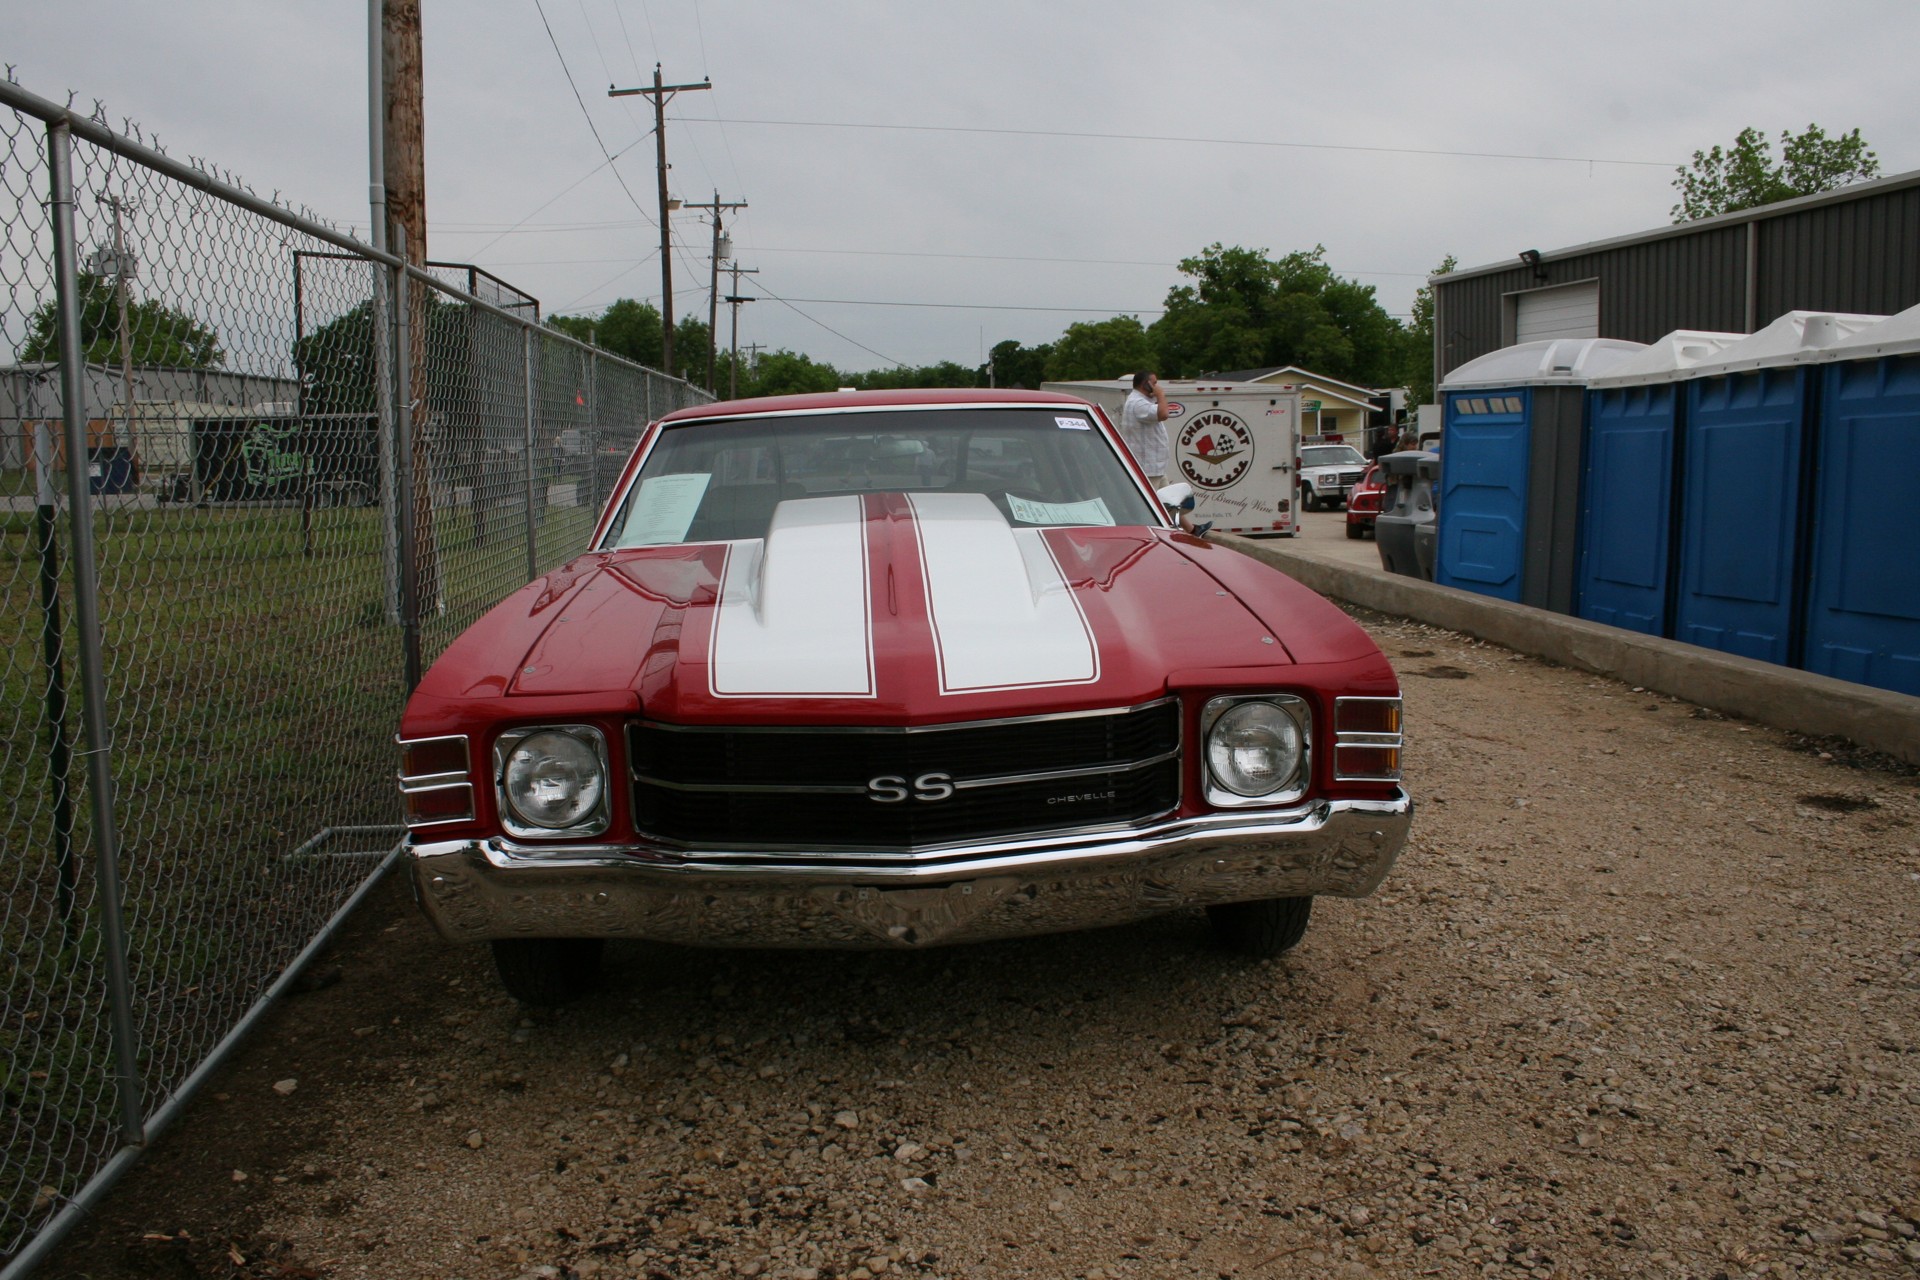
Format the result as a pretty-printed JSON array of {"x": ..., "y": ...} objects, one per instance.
[{"x": 479, "y": 889}]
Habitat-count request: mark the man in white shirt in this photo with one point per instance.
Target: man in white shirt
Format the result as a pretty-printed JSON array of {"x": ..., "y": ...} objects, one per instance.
[{"x": 1143, "y": 427}]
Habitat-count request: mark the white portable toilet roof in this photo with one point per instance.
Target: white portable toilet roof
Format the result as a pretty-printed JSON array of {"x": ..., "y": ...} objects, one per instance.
[
  {"x": 1798, "y": 337},
  {"x": 1897, "y": 335},
  {"x": 1548, "y": 362},
  {"x": 1669, "y": 359}
]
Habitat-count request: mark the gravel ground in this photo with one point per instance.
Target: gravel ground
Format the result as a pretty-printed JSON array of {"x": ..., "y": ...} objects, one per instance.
[{"x": 1639, "y": 999}]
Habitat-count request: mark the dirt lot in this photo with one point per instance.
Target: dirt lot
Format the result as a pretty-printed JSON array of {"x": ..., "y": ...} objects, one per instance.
[{"x": 1641, "y": 998}]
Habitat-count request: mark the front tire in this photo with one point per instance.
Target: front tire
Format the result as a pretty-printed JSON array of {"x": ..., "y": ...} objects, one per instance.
[
  {"x": 1261, "y": 929},
  {"x": 548, "y": 971},
  {"x": 1307, "y": 501}
]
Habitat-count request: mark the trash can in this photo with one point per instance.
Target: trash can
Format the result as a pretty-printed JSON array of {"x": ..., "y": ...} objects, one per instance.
[
  {"x": 1406, "y": 506},
  {"x": 110, "y": 470}
]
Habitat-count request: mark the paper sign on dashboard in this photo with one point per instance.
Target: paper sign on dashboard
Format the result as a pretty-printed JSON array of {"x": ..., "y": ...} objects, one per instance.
[
  {"x": 663, "y": 510},
  {"x": 1092, "y": 511}
]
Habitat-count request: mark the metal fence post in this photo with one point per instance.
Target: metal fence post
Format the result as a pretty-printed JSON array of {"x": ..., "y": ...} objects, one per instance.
[
  {"x": 86, "y": 608},
  {"x": 52, "y": 642},
  {"x": 533, "y": 538},
  {"x": 403, "y": 406}
]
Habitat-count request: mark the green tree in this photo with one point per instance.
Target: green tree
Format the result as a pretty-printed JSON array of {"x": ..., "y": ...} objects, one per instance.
[
  {"x": 627, "y": 328},
  {"x": 1115, "y": 348},
  {"x": 1012, "y": 365},
  {"x": 1419, "y": 341},
  {"x": 1247, "y": 310},
  {"x": 784, "y": 372},
  {"x": 1746, "y": 177},
  {"x": 158, "y": 336},
  {"x": 631, "y": 330},
  {"x": 945, "y": 374}
]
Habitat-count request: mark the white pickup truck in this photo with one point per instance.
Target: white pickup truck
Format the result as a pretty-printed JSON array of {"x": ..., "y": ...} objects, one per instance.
[{"x": 1327, "y": 474}]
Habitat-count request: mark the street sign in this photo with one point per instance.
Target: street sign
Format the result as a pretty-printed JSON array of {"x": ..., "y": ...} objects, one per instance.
[{"x": 1314, "y": 405}]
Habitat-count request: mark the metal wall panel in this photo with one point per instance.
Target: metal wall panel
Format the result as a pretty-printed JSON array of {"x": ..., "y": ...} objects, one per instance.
[{"x": 1858, "y": 254}]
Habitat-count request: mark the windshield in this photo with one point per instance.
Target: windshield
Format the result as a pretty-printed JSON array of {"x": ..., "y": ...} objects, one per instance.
[
  {"x": 719, "y": 481},
  {"x": 1330, "y": 455}
]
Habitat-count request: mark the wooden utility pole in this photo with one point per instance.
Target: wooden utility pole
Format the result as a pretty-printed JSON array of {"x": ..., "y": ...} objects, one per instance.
[
  {"x": 661, "y": 94},
  {"x": 713, "y": 283},
  {"x": 406, "y": 180},
  {"x": 734, "y": 300}
]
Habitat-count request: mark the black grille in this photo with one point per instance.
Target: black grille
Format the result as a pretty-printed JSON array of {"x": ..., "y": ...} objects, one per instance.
[{"x": 822, "y": 778}]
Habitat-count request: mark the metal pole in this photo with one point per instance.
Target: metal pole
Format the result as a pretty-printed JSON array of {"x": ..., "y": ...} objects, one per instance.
[
  {"x": 403, "y": 464},
  {"x": 86, "y": 608},
  {"x": 533, "y": 552},
  {"x": 59, "y": 760},
  {"x": 379, "y": 333},
  {"x": 666, "y": 235},
  {"x": 713, "y": 296},
  {"x": 126, "y": 346}
]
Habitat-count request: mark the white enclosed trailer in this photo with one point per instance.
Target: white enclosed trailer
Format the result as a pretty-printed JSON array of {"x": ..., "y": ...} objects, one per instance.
[{"x": 1236, "y": 443}]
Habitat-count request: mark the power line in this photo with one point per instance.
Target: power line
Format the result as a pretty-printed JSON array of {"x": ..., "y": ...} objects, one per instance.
[
  {"x": 565, "y": 70},
  {"x": 454, "y": 229},
  {"x": 631, "y": 268},
  {"x": 523, "y": 222},
  {"x": 829, "y": 328},
  {"x": 979, "y": 306},
  {"x": 1162, "y": 137}
]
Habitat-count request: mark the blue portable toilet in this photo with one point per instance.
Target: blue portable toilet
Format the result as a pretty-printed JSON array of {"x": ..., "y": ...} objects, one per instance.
[
  {"x": 1627, "y": 508},
  {"x": 1511, "y": 440},
  {"x": 1744, "y": 468},
  {"x": 1863, "y": 592}
]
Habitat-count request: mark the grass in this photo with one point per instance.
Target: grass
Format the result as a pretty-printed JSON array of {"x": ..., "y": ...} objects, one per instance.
[{"x": 253, "y": 685}]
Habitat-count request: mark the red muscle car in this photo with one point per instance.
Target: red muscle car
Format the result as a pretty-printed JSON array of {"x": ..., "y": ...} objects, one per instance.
[{"x": 893, "y": 669}]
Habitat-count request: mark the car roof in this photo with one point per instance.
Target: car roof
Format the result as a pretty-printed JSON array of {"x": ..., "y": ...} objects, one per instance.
[{"x": 830, "y": 400}]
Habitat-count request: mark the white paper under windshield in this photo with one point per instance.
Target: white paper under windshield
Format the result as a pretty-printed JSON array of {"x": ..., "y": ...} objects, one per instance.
[
  {"x": 1092, "y": 511},
  {"x": 662, "y": 512}
]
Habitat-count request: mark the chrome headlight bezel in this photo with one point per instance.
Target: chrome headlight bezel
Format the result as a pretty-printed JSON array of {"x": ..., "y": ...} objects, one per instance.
[
  {"x": 595, "y": 818},
  {"x": 1221, "y": 793}
]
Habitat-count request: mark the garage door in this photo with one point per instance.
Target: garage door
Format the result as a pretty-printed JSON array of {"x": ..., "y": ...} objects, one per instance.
[{"x": 1569, "y": 311}]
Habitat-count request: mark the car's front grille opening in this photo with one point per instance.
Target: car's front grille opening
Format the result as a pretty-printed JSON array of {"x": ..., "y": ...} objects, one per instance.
[{"x": 895, "y": 791}]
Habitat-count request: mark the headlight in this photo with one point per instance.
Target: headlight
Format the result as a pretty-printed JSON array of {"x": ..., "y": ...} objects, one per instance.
[
  {"x": 553, "y": 781},
  {"x": 1256, "y": 748}
]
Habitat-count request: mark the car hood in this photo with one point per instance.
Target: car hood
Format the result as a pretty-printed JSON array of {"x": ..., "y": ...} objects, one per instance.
[{"x": 889, "y": 608}]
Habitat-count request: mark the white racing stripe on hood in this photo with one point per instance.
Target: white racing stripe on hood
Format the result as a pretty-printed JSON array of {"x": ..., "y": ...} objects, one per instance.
[
  {"x": 1003, "y": 616},
  {"x": 794, "y": 617}
]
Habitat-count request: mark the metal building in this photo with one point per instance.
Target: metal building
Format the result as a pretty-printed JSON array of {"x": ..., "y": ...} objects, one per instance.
[{"x": 1856, "y": 249}]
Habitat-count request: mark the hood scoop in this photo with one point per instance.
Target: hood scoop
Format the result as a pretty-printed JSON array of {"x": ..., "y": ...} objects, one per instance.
[
  {"x": 1002, "y": 613},
  {"x": 795, "y": 613}
]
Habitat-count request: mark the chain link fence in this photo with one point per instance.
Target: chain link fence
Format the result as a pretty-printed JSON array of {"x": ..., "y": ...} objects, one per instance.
[{"x": 226, "y": 558}]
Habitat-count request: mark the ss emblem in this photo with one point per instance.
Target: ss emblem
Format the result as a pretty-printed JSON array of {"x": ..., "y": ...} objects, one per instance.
[{"x": 892, "y": 789}]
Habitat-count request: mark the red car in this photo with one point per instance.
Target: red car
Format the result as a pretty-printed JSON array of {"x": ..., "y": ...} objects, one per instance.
[
  {"x": 893, "y": 669},
  {"x": 1363, "y": 504}
]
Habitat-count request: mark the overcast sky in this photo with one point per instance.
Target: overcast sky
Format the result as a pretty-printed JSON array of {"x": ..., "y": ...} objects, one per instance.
[{"x": 927, "y": 180}]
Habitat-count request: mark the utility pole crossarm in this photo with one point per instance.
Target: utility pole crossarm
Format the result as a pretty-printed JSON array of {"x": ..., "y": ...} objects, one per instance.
[{"x": 661, "y": 94}]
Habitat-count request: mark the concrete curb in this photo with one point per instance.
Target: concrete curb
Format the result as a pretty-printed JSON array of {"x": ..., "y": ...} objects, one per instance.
[{"x": 1799, "y": 701}]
